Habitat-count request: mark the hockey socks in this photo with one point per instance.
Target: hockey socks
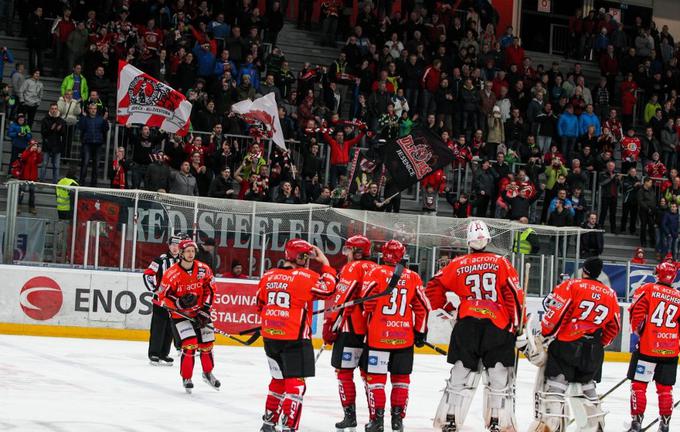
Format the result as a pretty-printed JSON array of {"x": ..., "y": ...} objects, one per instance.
[
  {"x": 292, "y": 402},
  {"x": 275, "y": 396},
  {"x": 638, "y": 398},
  {"x": 665, "y": 393},
  {"x": 376, "y": 393},
  {"x": 399, "y": 395},
  {"x": 207, "y": 361},
  {"x": 346, "y": 387},
  {"x": 189, "y": 347}
]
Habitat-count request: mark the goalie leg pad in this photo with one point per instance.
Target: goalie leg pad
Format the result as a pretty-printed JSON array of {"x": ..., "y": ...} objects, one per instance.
[
  {"x": 588, "y": 413},
  {"x": 498, "y": 397},
  {"x": 638, "y": 398},
  {"x": 665, "y": 394},
  {"x": 551, "y": 411},
  {"x": 457, "y": 397}
]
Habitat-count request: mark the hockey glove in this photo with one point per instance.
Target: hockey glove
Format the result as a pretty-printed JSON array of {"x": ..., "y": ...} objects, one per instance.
[
  {"x": 419, "y": 339},
  {"x": 203, "y": 316},
  {"x": 329, "y": 336},
  {"x": 187, "y": 301}
]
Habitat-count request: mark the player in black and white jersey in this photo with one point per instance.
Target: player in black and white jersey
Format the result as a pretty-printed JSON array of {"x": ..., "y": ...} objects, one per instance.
[{"x": 161, "y": 332}]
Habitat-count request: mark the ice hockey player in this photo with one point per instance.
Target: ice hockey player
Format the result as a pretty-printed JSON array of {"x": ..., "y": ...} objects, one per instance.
[
  {"x": 161, "y": 333},
  {"x": 483, "y": 338},
  {"x": 655, "y": 319},
  {"x": 187, "y": 288},
  {"x": 581, "y": 317},
  {"x": 395, "y": 322},
  {"x": 285, "y": 300},
  {"x": 346, "y": 328}
]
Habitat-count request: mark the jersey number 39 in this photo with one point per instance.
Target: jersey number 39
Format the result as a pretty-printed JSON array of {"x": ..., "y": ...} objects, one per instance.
[{"x": 483, "y": 286}]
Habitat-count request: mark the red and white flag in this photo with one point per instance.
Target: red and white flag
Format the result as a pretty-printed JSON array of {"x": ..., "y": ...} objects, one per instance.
[
  {"x": 262, "y": 113},
  {"x": 144, "y": 100}
]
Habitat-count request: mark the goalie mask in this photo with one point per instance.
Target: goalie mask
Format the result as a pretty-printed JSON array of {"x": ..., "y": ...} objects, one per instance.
[{"x": 478, "y": 236}]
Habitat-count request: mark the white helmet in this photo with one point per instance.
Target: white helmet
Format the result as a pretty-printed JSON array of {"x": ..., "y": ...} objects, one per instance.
[{"x": 478, "y": 235}]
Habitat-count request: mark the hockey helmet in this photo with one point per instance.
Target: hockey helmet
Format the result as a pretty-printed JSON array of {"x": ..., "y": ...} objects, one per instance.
[
  {"x": 186, "y": 243},
  {"x": 294, "y": 248},
  {"x": 359, "y": 242},
  {"x": 592, "y": 267},
  {"x": 478, "y": 235},
  {"x": 393, "y": 252},
  {"x": 669, "y": 258},
  {"x": 665, "y": 273}
]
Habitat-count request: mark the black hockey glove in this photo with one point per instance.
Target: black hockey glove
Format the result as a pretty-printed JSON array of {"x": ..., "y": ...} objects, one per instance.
[
  {"x": 187, "y": 301},
  {"x": 203, "y": 316},
  {"x": 419, "y": 339}
]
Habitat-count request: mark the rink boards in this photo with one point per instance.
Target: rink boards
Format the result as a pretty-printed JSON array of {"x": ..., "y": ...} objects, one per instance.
[{"x": 116, "y": 305}]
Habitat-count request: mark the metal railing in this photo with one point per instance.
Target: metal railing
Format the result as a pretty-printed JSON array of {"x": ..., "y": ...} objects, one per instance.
[{"x": 559, "y": 39}]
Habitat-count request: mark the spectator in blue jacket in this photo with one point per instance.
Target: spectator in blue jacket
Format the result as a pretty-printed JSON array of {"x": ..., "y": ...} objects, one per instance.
[
  {"x": 93, "y": 128},
  {"x": 220, "y": 29},
  {"x": 5, "y": 57},
  {"x": 669, "y": 230},
  {"x": 589, "y": 118},
  {"x": 205, "y": 60},
  {"x": 248, "y": 68},
  {"x": 20, "y": 133},
  {"x": 224, "y": 64},
  {"x": 568, "y": 130},
  {"x": 568, "y": 205}
]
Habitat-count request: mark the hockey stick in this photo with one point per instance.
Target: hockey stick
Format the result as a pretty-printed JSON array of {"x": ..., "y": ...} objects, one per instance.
[
  {"x": 398, "y": 269},
  {"x": 436, "y": 348},
  {"x": 318, "y": 355},
  {"x": 255, "y": 336},
  {"x": 656, "y": 420}
]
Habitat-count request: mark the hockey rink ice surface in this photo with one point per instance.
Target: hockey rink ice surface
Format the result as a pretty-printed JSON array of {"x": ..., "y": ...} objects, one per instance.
[{"x": 64, "y": 385}]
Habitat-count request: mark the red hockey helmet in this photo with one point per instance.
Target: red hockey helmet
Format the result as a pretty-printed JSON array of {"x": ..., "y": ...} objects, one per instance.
[
  {"x": 187, "y": 243},
  {"x": 294, "y": 248},
  {"x": 665, "y": 273},
  {"x": 668, "y": 258},
  {"x": 359, "y": 242},
  {"x": 393, "y": 251}
]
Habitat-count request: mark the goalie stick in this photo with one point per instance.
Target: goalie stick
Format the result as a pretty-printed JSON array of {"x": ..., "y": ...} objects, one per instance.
[
  {"x": 398, "y": 270},
  {"x": 255, "y": 336}
]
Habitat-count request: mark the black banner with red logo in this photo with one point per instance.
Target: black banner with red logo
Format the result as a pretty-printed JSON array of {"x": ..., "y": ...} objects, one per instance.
[{"x": 411, "y": 158}]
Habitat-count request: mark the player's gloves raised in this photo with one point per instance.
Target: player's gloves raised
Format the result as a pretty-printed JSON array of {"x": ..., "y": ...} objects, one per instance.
[
  {"x": 187, "y": 301},
  {"x": 329, "y": 336},
  {"x": 419, "y": 339},
  {"x": 203, "y": 316}
]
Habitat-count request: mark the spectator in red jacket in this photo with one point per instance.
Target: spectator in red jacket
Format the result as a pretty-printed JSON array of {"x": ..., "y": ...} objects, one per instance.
[
  {"x": 340, "y": 152},
  {"x": 31, "y": 158},
  {"x": 628, "y": 101},
  {"x": 430, "y": 83},
  {"x": 609, "y": 67},
  {"x": 514, "y": 54}
]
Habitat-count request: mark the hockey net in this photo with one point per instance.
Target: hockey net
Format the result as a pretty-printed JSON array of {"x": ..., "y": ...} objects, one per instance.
[{"x": 133, "y": 227}]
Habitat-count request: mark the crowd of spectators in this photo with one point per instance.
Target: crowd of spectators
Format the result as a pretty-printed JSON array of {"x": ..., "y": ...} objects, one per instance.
[{"x": 529, "y": 133}]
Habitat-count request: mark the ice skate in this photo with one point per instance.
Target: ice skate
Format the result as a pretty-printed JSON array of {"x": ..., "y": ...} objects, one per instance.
[
  {"x": 397, "y": 421},
  {"x": 268, "y": 427},
  {"x": 154, "y": 361},
  {"x": 450, "y": 425},
  {"x": 210, "y": 379},
  {"x": 377, "y": 424},
  {"x": 349, "y": 423},
  {"x": 188, "y": 385},
  {"x": 635, "y": 424},
  {"x": 166, "y": 361},
  {"x": 664, "y": 422}
]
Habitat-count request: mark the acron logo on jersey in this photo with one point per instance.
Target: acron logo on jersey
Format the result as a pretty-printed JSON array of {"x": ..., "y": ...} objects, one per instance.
[{"x": 41, "y": 298}]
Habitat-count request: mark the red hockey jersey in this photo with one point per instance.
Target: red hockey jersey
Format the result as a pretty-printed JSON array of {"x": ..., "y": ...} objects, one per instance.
[
  {"x": 630, "y": 149},
  {"x": 578, "y": 307},
  {"x": 178, "y": 282},
  {"x": 285, "y": 300},
  {"x": 487, "y": 285},
  {"x": 350, "y": 282},
  {"x": 392, "y": 320},
  {"x": 655, "y": 317}
]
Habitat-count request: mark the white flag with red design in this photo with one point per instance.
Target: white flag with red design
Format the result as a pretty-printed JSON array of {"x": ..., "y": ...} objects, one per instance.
[
  {"x": 144, "y": 100},
  {"x": 262, "y": 113}
]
